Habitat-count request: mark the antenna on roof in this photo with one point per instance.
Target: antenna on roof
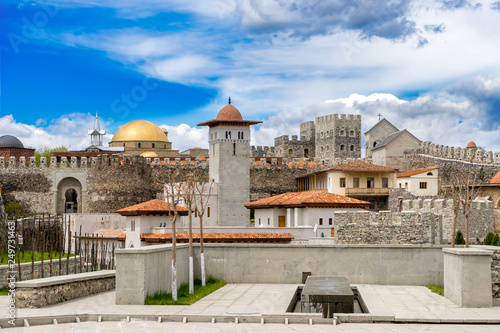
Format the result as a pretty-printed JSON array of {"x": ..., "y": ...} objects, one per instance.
[{"x": 229, "y": 99}]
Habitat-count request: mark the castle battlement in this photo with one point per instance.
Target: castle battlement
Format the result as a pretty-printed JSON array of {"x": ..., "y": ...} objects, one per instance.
[{"x": 471, "y": 155}]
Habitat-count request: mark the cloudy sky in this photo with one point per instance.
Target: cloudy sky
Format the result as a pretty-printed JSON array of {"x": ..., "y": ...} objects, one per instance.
[{"x": 431, "y": 67}]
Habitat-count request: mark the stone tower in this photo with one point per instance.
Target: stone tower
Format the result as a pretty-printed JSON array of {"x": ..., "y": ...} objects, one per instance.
[
  {"x": 96, "y": 135},
  {"x": 229, "y": 168},
  {"x": 338, "y": 136}
]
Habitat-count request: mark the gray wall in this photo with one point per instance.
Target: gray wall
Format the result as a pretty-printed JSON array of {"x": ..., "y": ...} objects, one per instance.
[
  {"x": 364, "y": 264},
  {"x": 144, "y": 271}
]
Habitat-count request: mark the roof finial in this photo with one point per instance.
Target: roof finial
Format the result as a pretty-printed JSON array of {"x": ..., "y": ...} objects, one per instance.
[
  {"x": 379, "y": 115},
  {"x": 229, "y": 99}
]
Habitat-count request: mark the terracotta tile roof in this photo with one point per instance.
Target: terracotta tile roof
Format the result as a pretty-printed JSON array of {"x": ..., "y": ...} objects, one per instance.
[
  {"x": 496, "y": 179},
  {"x": 201, "y": 157},
  {"x": 229, "y": 112},
  {"x": 152, "y": 207},
  {"x": 215, "y": 237},
  {"x": 414, "y": 172},
  {"x": 309, "y": 198},
  {"x": 358, "y": 166}
]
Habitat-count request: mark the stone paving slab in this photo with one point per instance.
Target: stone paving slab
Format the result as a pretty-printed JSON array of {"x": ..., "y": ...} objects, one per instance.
[{"x": 153, "y": 327}]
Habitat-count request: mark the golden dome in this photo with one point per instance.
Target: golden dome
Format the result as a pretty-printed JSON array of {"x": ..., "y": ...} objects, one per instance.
[
  {"x": 140, "y": 130},
  {"x": 149, "y": 154}
]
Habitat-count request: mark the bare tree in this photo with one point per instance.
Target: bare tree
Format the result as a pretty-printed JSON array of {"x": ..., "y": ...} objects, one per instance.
[
  {"x": 203, "y": 189},
  {"x": 169, "y": 179},
  {"x": 466, "y": 194},
  {"x": 188, "y": 195}
]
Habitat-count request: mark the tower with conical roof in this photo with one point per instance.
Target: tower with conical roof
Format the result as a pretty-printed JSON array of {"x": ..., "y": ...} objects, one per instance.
[
  {"x": 96, "y": 135},
  {"x": 229, "y": 167}
]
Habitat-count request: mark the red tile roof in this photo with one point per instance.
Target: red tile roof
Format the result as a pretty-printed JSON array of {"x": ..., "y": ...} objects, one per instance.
[
  {"x": 106, "y": 233},
  {"x": 496, "y": 179},
  {"x": 152, "y": 207},
  {"x": 213, "y": 237},
  {"x": 229, "y": 112},
  {"x": 309, "y": 199},
  {"x": 414, "y": 172},
  {"x": 201, "y": 158}
]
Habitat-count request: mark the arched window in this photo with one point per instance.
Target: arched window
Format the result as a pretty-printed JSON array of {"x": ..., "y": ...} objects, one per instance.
[
  {"x": 429, "y": 173},
  {"x": 139, "y": 145},
  {"x": 321, "y": 148},
  {"x": 290, "y": 152},
  {"x": 230, "y": 134},
  {"x": 234, "y": 148},
  {"x": 152, "y": 145},
  {"x": 165, "y": 146},
  {"x": 327, "y": 148},
  {"x": 375, "y": 144},
  {"x": 352, "y": 147},
  {"x": 342, "y": 147},
  {"x": 238, "y": 135},
  {"x": 342, "y": 132},
  {"x": 124, "y": 144},
  {"x": 241, "y": 135},
  {"x": 227, "y": 135},
  {"x": 351, "y": 133}
]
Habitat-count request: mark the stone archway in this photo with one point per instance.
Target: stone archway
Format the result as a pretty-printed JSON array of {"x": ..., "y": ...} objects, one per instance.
[{"x": 69, "y": 196}]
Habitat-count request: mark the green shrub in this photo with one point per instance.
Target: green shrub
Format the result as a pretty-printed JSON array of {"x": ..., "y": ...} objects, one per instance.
[
  {"x": 494, "y": 240},
  {"x": 488, "y": 239},
  {"x": 459, "y": 238},
  {"x": 13, "y": 209},
  {"x": 497, "y": 242}
]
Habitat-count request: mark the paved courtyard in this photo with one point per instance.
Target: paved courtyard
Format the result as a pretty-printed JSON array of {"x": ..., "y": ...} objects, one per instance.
[{"x": 410, "y": 308}]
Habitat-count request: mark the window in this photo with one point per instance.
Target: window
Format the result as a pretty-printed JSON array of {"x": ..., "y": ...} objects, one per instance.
[
  {"x": 351, "y": 133},
  {"x": 215, "y": 135},
  {"x": 327, "y": 148},
  {"x": 352, "y": 147},
  {"x": 406, "y": 185},
  {"x": 211, "y": 136},
  {"x": 342, "y": 147},
  {"x": 227, "y": 135},
  {"x": 321, "y": 134},
  {"x": 123, "y": 144},
  {"x": 306, "y": 152},
  {"x": 259, "y": 221},
  {"x": 321, "y": 148},
  {"x": 355, "y": 182},
  {"x": 320, "y": 221},
  {"x": 400, "y": 185},
  {"x": 241, "y": 135},
  {"x": 234, "y": 148},
  {"x": 165, "y": 146},
  {"x": 429, "y": 173},
  {"x": 290, "y": 151},
  {"x": 370, "y": 183},
  {"x": 152, "y": 145},
  {"x": 385, "y": 182},
  {"x": 208, "y": 211},
  {"x": 132, "y": 225},
  {"x": 423, "y": 185},
  {"x": 330, "y": 221},
  {"x": 268, "y": 221},
  {"x": 342, "y": 132},
  {"x": 139, "y": 145},
  {"x": 342, "y": 182},
  {"x": 375, "y": 144}
]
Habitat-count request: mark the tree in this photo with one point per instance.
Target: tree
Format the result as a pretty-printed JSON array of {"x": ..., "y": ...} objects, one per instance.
[
  {"x": 466, "y": 194},
  {"x": 188, "y": 195},
  {"x": 48, "y": 152},
  {"x": 203, "y": 189},
  {"x": 169, "y": 178}
]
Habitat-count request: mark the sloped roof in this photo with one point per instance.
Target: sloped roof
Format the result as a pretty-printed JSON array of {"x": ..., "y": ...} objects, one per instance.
[
  {"x": 414, "y": 172},
  {"x": 380, "y": 122},
  {"x": 356, "y": 166},
  {"x": 309, "y": 199},
  {"x": 392, "y": 137},
  {"x": 495, "y": 179},
  {"x": 152, "y": 207}
]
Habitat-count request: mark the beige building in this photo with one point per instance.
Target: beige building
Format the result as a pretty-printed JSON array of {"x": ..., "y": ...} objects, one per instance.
[
  {"x": 390, "y": 152},
  {"x": 360, "y": 180},
  {"x": 492, "y": 189},
  {"x": 423, "y": 182},
  {"x": 375, "y": 135},
  {"x": 141, "y": 137},
  {"x": 194, "y": 152}
]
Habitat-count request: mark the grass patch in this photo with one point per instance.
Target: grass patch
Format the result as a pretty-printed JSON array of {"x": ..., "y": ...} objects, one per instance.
[
  {"x": 4, "y": 291},
  {"x": 436, "y": 289},
  {"x": 183, "y": 296},
  {"x": 27, "y": 257}
]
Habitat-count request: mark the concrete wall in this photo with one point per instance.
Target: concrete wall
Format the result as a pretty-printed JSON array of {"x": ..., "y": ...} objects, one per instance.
[
  {"x": 91, "y": 222},
  {"x": 147, "y": 270},
  {"x": 270, "y": 263}
]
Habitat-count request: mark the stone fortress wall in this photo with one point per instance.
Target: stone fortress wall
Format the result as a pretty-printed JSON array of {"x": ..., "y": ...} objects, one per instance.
[
  {"x": 477, "y": 156},
  {"x": 426, "y": 221},
  {"x": 326, "y": 140}
]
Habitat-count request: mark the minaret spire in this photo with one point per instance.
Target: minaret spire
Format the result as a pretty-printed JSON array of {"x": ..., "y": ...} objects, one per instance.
[{"x": 229, "y": 99}]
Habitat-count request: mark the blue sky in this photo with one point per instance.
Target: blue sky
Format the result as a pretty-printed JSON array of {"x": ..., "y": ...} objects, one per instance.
[{"x": 428, "y": 66}]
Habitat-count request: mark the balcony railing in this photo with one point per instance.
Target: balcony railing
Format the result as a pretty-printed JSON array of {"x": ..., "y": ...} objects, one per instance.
[{"x": 367, "y": 191}]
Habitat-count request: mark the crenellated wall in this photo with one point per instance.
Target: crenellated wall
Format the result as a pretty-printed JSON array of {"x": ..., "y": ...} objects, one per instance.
[
  {"x": 388, "y": 228},
  {"x": 473, "y": 155}
]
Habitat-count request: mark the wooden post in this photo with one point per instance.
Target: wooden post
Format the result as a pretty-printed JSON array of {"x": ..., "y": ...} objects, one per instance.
[
  {"x": 87, "y": 252},
  {"x": 80, "y": 247},
  {"x": 61, "y": 244},
  {"x": 33, "y": 233},
  {"x": 43, "y": 243},
  {"x": 69, "y": 249}
]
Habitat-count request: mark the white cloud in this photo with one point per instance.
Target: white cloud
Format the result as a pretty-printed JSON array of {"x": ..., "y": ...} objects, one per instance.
[{"x": 184, "y": 137}]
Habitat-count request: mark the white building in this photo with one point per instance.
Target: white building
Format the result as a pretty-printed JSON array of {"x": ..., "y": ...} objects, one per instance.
[
  {"x": 296, "y": 209},
  {"x": 421, "y": 182}
]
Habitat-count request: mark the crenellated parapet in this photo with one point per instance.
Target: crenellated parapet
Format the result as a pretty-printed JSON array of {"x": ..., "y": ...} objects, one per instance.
[{"x": 472, "y": 155}]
